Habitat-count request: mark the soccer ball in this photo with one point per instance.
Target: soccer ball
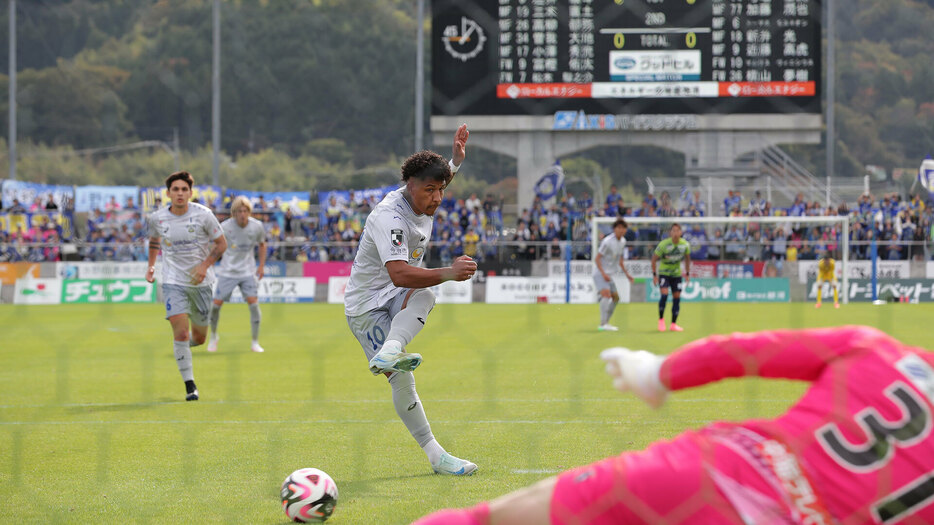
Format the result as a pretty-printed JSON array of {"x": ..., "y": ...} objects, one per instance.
[{"x": 308, "y": 495}]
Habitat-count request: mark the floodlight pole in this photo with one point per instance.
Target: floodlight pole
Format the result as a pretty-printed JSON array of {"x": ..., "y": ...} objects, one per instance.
[
  {"x": 831, "y": 94},
  {"x": 420, "y": 79},
  {"x": 216, "y": 93},
  {"x": 11, "y": 134}
]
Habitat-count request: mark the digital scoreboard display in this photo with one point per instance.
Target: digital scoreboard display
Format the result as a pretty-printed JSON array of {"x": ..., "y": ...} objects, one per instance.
[{"x": 537, "y": 57}]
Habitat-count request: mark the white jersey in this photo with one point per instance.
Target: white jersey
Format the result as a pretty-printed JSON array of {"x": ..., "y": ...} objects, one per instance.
[
  {"x": 393, "y": 232},
  {"x": 611, "y": 251},
  {"x": 238, "y": 259},
  {"x": 186, "y": 242}
]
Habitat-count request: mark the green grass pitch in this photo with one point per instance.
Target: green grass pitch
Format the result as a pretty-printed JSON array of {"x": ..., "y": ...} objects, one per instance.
[{"x": 93, "y": 427}]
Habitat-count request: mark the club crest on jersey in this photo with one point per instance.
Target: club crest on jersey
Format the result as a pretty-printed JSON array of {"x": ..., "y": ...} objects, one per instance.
[{"x": 396, "y": 237}]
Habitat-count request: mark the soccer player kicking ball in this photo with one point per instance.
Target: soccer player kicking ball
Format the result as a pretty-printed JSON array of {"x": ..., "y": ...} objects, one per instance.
[
  {"x": 609, "y": 262},
  {"x": 671, "y": 252},
  {"x": 856, "y": 448},
  {"x": 387, "y": 300},
  {"x": 239, "y": 268},
  {"x": 826, "y": 274},
  {"x": 191, "y": 240}
]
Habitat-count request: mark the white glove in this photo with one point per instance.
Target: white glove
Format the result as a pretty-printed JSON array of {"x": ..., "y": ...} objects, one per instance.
[{"x": 636, "y": 371}]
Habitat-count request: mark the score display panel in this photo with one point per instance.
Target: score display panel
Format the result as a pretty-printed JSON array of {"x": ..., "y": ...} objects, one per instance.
[{"x": 537, "y": 57}]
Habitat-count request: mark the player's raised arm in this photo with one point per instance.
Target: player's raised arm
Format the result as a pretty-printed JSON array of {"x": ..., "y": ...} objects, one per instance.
[
  {"x": 787, "y": 354},
  {"x": 459, "y": 150}
]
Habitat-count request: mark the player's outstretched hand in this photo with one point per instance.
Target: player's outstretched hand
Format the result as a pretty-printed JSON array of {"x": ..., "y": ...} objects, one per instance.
[
  {"x": 463, "y": 268},
  {"x": 636, "y": 371},
  {"x": 459, "y": 152}
]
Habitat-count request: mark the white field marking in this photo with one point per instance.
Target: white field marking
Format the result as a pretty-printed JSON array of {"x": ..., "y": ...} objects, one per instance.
[
  {"x": 536, "y": 471},
  {"x": 601, "y": 422},
  {"x": 621, "y": 399}
]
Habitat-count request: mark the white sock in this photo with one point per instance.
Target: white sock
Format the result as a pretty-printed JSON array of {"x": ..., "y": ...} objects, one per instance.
[
  {"x": 255, "y": 318},
  {"x": 410, "y": 411},
  {"x": 433, "y": 450},
  {"x": 605, "y": 303},
  {"x": 183, "y": 359}
]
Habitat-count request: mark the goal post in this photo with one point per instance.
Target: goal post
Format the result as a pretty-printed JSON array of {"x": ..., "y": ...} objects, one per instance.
[{"x": 599, "y": 226}]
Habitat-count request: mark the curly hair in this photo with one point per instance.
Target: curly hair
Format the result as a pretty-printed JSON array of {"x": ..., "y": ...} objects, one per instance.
[{"x": 426, "y": 165}]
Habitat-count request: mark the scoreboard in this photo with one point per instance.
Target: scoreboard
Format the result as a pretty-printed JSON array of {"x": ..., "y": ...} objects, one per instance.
[{"x": 626, "y": 57}]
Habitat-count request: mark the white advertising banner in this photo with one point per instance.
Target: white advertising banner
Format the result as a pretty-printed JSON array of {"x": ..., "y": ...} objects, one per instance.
[
  {"x": 454, "y": 292},
  {"x": 858, "y": 270},
  {"x": 929, "y": 271},
  {"x": 450, "y": 292},
  {"x": 336, "y": 288},
  {"x": 38, "y": 291},
  {"x": 521, "y": 290},
  {"x": 282, "y": 290},
  {"x": 637, "y": 268},
  {"x": 105, "y": 270}
]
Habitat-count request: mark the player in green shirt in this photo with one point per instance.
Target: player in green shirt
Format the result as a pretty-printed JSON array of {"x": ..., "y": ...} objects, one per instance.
[{"x": 671, "y": 252}]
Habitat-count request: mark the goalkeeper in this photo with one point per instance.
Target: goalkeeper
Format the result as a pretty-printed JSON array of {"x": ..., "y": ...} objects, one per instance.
[
  {"x": 826, "y": 273},
  {"x": 856, "y": 448}
]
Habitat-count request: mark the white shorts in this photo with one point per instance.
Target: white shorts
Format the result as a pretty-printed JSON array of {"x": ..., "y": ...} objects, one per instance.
[
  {"x": 192, "y": 300},
  {"x": 371, "y": 328},
  {"x": 603, "y": 284},
  {"x": 226, "y": 285}
]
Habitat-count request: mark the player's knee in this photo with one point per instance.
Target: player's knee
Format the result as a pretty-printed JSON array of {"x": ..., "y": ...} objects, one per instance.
[
  {"x": 198, "y": 338},
  {"x": 615, "y": 297},
  {"x": 423, "y": 300},
  {"x": 181, "y": 335}
]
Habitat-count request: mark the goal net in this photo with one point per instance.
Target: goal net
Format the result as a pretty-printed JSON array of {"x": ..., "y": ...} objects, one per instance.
[{"x": 741, "y": 247}]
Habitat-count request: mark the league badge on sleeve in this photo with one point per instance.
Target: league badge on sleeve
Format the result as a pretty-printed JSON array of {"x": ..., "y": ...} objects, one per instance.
[{"x": 396, "y": 236}]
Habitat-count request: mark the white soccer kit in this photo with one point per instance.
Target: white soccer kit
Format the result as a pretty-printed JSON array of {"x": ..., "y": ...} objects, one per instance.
[
  {"x": 186, "y": 242},
  {"x": 611, "y": 251},
  {"x": 238, "y": 259},
  {"x": 393, "y": 232}
]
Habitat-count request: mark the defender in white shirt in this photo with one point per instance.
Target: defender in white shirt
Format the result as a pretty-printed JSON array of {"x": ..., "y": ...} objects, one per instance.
[
  {"x": 387, "y": 300},
  {"x": 609, "y": 262},
  {"x": 238, "y": 267},
  {"x": 191, "y": 240}
]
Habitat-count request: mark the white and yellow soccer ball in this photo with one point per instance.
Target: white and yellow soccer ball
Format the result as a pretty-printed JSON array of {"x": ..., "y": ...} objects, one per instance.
[{"x": 308, "y": 495}]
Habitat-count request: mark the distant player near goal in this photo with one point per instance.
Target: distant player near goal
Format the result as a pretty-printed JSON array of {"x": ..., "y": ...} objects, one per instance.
[
  {"x": 609, "y": 262},
  {"x": 239, "y": 268},
  {"x": 826, "y": 273},
  {"x": 670, "y": 252},
  {"x": 857, "y": 448},
  {"x": 387, "y": 299}
]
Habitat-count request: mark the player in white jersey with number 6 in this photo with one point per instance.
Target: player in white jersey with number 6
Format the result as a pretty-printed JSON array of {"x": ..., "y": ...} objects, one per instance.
[
  {"x": 191, "y": 240},
  {"x": 238, "y": 267},
  {"x": 607, "y": 263},
  {"x": 387, "y": 299}
]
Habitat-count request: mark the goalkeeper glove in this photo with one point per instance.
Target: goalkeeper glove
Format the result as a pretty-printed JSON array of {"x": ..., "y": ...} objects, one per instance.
[{"x": 637, "y": 372}]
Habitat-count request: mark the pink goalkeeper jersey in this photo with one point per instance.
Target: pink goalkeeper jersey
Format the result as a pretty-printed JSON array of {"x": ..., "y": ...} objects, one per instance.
[{"x": 862, "y": 432}]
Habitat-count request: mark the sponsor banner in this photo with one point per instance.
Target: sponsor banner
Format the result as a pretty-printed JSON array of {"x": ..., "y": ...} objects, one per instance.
[
  {"x": 38, "y": 291},
  {"x": 739, "y": 270},
  {"x": 103, "y": 270},
  {"x": 638, "y": 268},
  {"x": 11, "y": 272},
  {"x": 454, "y": 292},
  {"x": 572, "y": 120},
  {"x": 520, "y": 290},
  {"x": 90, "y": 198},
  {"x": 108, "y": 291},
  {"x": 274, "y": 269},
  {"x": 807, "y": 270},
  {"x": 929, "y": 272},
  {"x": 860, "y": 290},
  {"x": 282, "y": 290},
  {"x": 703, "y": 269},
  {"x": 26, "y": 193},
  {"x": 336, "y": 288},
  {"x": 655, "y": 66},
  {"x": 510, "y": 268},
  {"x": 770, "y": 290},
  {"x": 297, "y": 201},
  {"x": 323, "y": 271}
]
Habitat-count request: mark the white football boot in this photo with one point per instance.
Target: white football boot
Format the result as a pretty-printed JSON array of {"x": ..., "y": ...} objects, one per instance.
[{"x": 453, "y": 466}]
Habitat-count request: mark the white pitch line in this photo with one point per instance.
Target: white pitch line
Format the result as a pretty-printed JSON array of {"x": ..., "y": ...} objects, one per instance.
[
  {"x": 535, "y": 471},
  {"x": 368, "y": 401},
  {"x": 339, "y": 421}
]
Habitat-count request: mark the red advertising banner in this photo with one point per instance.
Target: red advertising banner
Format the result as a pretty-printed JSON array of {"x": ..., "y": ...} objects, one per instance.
[{"x": 322, "y": 271}]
